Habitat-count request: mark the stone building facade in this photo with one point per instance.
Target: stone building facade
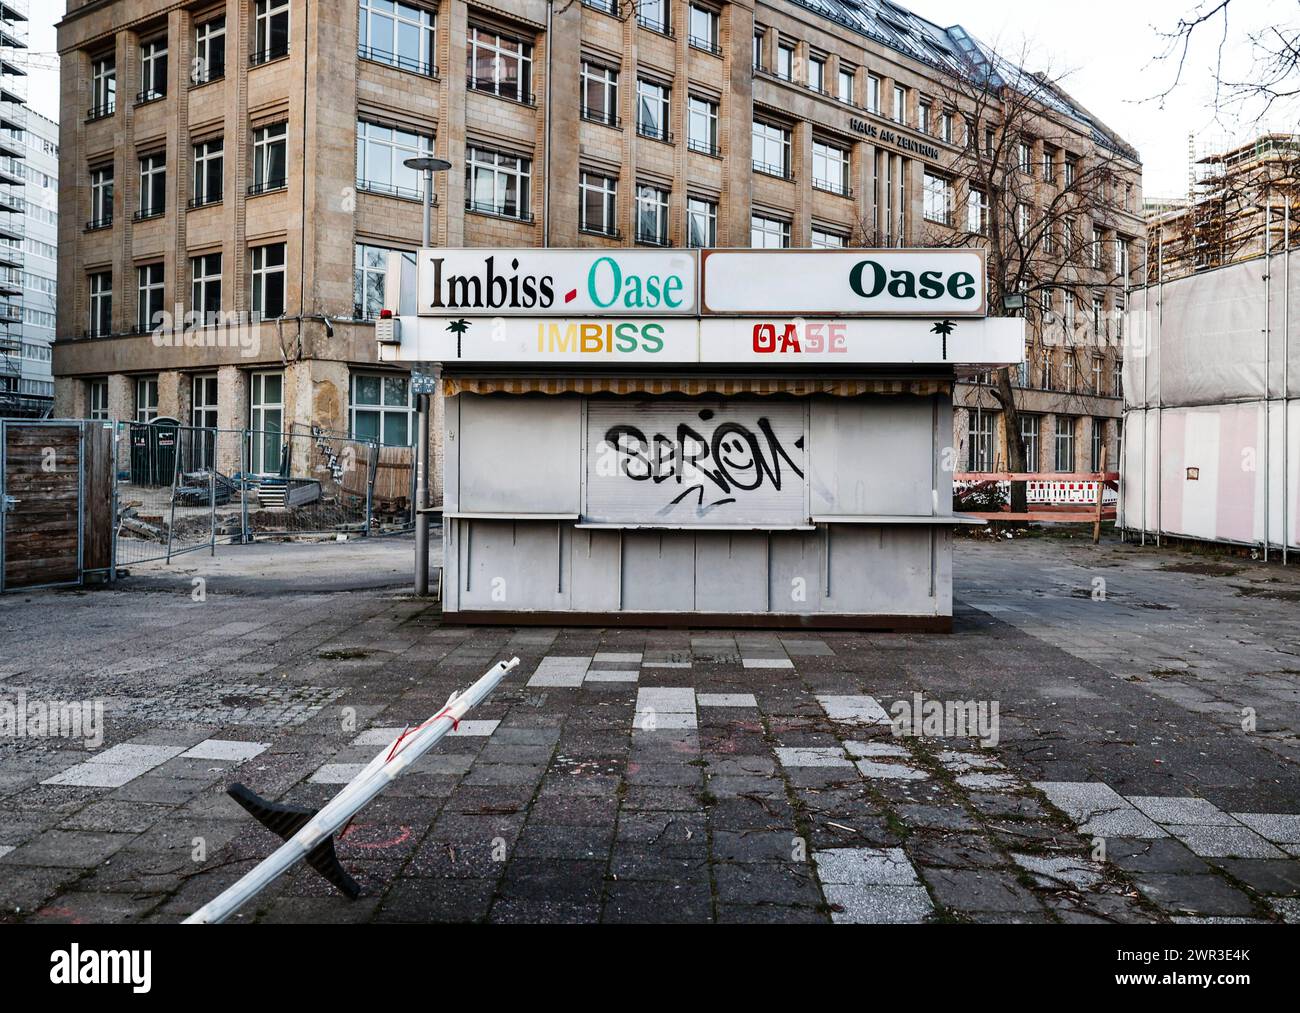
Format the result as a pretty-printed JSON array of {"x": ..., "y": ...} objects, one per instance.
[{"x": 245, "y": 156}]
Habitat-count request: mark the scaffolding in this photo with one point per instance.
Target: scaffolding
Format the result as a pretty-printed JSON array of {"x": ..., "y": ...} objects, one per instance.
[{"x": 13, "y": 208}]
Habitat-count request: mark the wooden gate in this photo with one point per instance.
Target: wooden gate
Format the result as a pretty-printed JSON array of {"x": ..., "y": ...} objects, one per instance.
[{"x": 56, "y": 503}]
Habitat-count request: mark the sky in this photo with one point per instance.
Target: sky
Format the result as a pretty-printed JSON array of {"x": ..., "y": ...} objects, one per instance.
[{"x": 1105, "y": 51}]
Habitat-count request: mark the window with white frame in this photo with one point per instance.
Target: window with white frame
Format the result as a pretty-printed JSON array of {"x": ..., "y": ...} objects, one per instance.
[
  {"x": 936, "y": 197},
  {"x": 1022, "y": 221},
  {"x": 402, "y": 35},
  {"x": 830, "y": 167},
  {"x": 704, "y": 28},
  {"x": 101, "y": 304},
  {"x": 497, "y": 183},
  {"x": 924, "y": 116},
  {"x": 266, "y": 422},
  {"x": 980, "y": 447},
  {"x": 702, "y": 125},
  {"x": 1030, "y": 428},
  {"x": 598, "y": 203},
  {"x": 370, "y": 275},
  {"x": 382, "y": 409},
  {"x": 977, "y": 212},
  {"x": 270, "y": 31},
  {"x": 268, "y": 280},
  {"x": 97, "y": 399},
  {"x": 382, "y": 152},
  {"x": 1099, "y": 313},
  {"x": 900, "y": 104},
  {"x": 767, "y": 233},
  {"x": 1098, "y": 443},
  {"x": 599, "y": 93},
  {"x": 758, "y": 49},
  {"x": 771, "y": 149},
  {"x": 701, "y": 222},
  {"x": 153, "y": 185},
  {"x": 205, "y": 287},
  {"x": 153, "y": 69},
  {"x": 1071, "y": 170},
  {"x": 652, "y": 105},
  {"x": 209, "y": 62},
  {"x": 1065, "y": 443},
  {"x": 101, "y": 196},
  {"x": 146, "y": 398},
  {"x": 270, "y": 158},
  {"x": 1117, "y": 379},
  {"x": 1098, "y": 370},
  {"x": 652, "y": 215},
  {"x": 103, "y": 86},
  {"x": 847, "y": 78},
  {"x": 209, "y": 172},
  {"x": 1095, "y": 249},
  {"x": 149, "y": 297},
  {"x": 1068, "y": 370},
  {"x": 1025, "y": 152},
  {"x": 1048, "y": 163},
  {"x": 947, "y": 126},
  {"x": 203, "y": 401},
  {"x": 785, "y": 61},
  {"x": 653, "y": 14},
  {"x": 817, "y": 73},
  {"x": 499, "y": 64},
  {"x": 824, "y": 239},
  {"x": 874, "y": 86}
]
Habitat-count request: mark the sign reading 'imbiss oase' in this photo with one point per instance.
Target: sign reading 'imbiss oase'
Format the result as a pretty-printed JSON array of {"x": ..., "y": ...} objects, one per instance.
[
  {"x": 556, "y": 283},
  {"x": 899, "y": 283}
]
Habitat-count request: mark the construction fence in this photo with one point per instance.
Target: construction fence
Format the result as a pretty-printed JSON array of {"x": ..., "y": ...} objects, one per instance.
[{"x": 183, "y": 488}]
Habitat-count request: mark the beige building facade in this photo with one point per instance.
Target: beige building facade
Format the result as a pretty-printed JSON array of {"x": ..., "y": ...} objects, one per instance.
[{"x": 232, "y": 179}]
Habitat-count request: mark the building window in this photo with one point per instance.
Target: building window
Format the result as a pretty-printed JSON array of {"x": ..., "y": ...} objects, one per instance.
[
  {"x": 937, "y": 199},
  {"x": 499, "y": 64},
  {"x": 900, "y": 104},
  {"x": 701, "y": 222},
  {"x": 823, "y": 240},
  {"x": 398, "y": 34},
  {"x": 702, "y": 125},
  {"x": 1095, "y": 249},
  {"x": 652, "y": 110},
  {"x": 873, "y": 94},
  {"x": 146, "y": 398},
  {"x": 270, "y": 159},
  {"x": 1117, "y": 379},
  {"x": 1025, "y": 151},
  {"x": 947, "y": 127},
  {"x": 209, "y": 51},
  {"x": 769, "y": 233},
  {"x": 598, "y": 201},
  {"x": 977, "y": 212},
  {"x": 1098, "y": 443},
  {"x": 149, "y": 297},
  {"x": 205, "y": 287},
  {"x": 103, "y": 86},
  {"x": 1071, "y": 170},
  {"x": 771, "y": 149},
  {"x": 817, "y": 73},
  {"x": 382, "y": 409},
  {"x": 847, "y": 79},
  {"x": 203, "y": 402},
  {"x": 370, "y": 274},
  {"x": 652, "y": 215},
  {"x": 1048, "y": 163},
  {"x": 97, "y": 399},
  {"x": 266, "y": 422},
  {"x": 1064, "y": 443},
  {"x": 704, "y": 29},
  {"x": 101, "y": 197},
  {"x": 270, "y": 31},
  {"x": 268, "y": 281},
  {"x": 209, "y": 172},
  {"x": 497, "y": 183},
  {"x": 980, "y": 454},
  {"x": 599, "y": 93},
  {"x": 758, "y": 49},
  {"x": 1047, "y": 381},
  {"x": 830, "y": 167},
  {"x": 924, "y": 121},
  {"x": 1030, "y": 427},
  {"x": 153, "y": 70},
  {"x": 1022, "y": 221},
  {"x": 101, "y": 304},
  {"x": 381, "y": 160},
  {"x": 653, "y": 14},
  {"x": 785, "y": 62},
  {"x": 153, "y": 186}
]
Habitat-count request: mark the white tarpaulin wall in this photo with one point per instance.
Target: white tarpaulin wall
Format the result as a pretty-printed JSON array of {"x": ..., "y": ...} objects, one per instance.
[{"x": 1211, "y": 425}]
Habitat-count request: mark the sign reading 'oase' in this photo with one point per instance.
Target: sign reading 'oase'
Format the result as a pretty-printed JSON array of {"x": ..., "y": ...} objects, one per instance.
[
  {"x": 567, "y": 283},
  {"x": 898, "y": 283}
]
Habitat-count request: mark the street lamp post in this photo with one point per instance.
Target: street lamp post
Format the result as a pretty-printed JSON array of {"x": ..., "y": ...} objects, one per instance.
[{"x": 428, "y": 166}]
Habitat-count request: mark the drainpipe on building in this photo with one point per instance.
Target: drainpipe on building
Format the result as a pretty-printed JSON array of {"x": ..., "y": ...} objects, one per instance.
[{"x": 546, "y": 148}]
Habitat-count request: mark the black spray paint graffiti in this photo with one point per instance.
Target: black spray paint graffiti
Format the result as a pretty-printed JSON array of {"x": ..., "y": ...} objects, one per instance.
[{"x": 713, "y": 469}]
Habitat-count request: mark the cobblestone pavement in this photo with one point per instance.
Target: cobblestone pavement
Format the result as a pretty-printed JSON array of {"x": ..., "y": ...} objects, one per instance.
[{"x": 1145, "y": 764}]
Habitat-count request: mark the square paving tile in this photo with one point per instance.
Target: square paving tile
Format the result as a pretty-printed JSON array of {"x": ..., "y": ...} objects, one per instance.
[
  {"x": 1225, "y": 842},
  {"x": 614, "y": 675},
  {"x": 767, "y": 663},
  {"x": 474, "y": 729},
  {"x": 336, "y": 773},
  {"x": 560, "y": 672},
  {"x": 855, "y": 710},
  {"x": 1191, "y": 812},
  {"x": 1278, "y": 828},
  {"x": 812, "y": 756},
  {"x": 231, "y": 750},
  {"x": 726, "y": 700},
  {"x": 865, "y": 867},
  {"x": 878, "y": 905},
  {"x": 883, "y": 771}
]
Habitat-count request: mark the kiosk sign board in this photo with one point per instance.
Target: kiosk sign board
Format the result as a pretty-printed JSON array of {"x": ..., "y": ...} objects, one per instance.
[
  {"x": 546, "y": 282},
  {"x": 893, "y": 283}
]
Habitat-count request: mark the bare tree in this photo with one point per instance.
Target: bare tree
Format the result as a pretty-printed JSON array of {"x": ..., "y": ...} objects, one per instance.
[{"x": 1036, "y": 190}]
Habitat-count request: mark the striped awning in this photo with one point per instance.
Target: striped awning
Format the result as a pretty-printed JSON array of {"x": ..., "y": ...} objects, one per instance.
[{"x": 695, "y": 385}]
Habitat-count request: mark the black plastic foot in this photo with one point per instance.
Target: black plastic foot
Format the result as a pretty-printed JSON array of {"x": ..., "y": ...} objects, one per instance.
[{"x": 287, "y": 820}]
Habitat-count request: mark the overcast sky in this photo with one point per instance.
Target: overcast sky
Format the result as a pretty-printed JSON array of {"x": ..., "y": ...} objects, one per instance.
[{"x": 1105, "y": 49}]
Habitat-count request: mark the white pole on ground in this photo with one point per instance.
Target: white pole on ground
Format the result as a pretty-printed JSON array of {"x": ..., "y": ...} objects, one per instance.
[{"x": 377, "y": 775}]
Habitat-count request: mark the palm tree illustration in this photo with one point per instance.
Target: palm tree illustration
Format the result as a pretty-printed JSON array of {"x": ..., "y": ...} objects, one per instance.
[
  {"x": 944, "y": 328},
  {"x": 458, "y": 328}
]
